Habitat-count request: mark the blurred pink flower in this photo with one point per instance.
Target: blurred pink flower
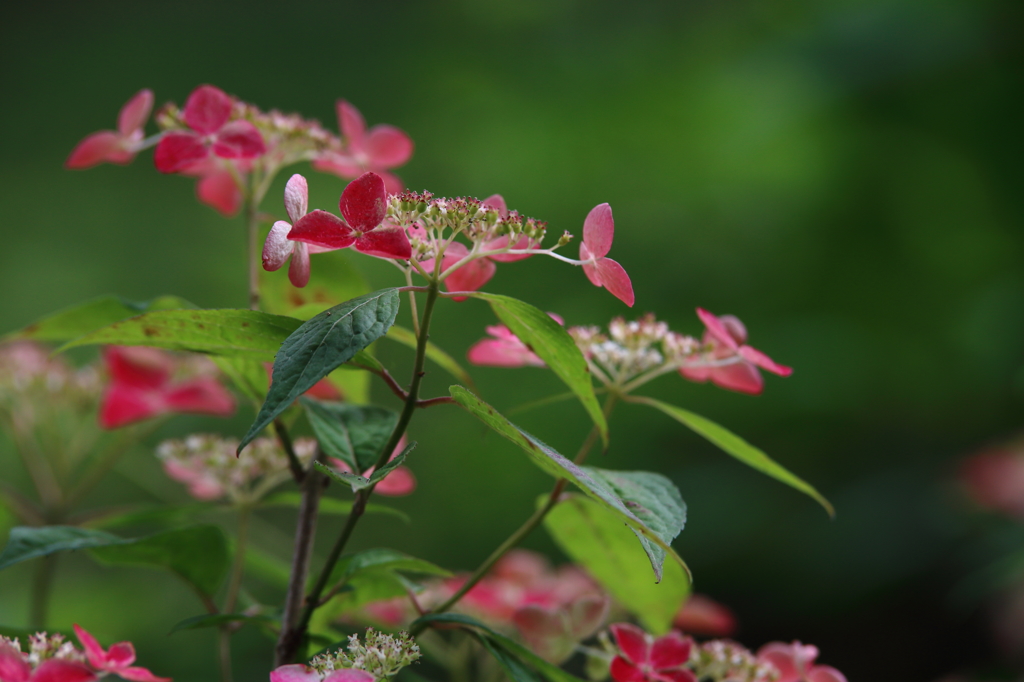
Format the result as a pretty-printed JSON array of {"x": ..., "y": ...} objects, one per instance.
[
  {"x": 141, "y": 387},
  {"x": 505, "y": 349},
  {"x": 726, "y": 336},
  {"x": 795, "y": 663},
  {"x": 598, "y": 233},
  {"x": 702, "y": 615},
  {"x": 995, "y": 480},
  {"x": 17, "y": 667},
  {"x": 497, "y": 202},
  {"x": 396, "y": 484},
  {"x": 117, "y": 659},
  {"x": 377, "y": 149},
  {"x": 301, "y": 673},
  {"x": 207, "y": 113},
  {"x": 642, "y": 658},
  {"x": 363, "y": 207},
  {"x": 118, "y": 146}
]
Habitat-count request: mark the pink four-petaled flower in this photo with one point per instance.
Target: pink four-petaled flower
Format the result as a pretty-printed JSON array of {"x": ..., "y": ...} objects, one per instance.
[
  {"x": 15, "y": 668},
  {"x": 795, "y": 663},
  {"x": 643, "y": 658},
  {"x": 278, "y": 248},
  {"x": 363, "y": 207},
  {"x": 727, "y": 336},
  {"x": 207, "y": 113},
  {"x": 397, "y": 483},
  {"x": 598, "y": 233},
  {"x": 141, "y": 387},
  {"x": 300, "y": 673},
  {"x": 117, "y": 659},
  {"x": 377, "y": 149},
  {"x": 117, "y": 146}
]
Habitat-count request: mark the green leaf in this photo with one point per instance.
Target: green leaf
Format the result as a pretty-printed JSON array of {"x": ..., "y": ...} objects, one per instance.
[
  {"x": 249, "y": 376},
  {"x": 354, "y": 434},
  {"x": 197, "y": 554},
  {"x": 389, "y": 466},
  {"x": 319, "y": 346},
  {"x": 27, "y": 542},
  {"x": 237, "y": 333},
  {"x": 446, "y": 362},
  {"x": 596, "y": 538},
  {"x": 212, "y": 620},
  {"x": 70, "y": 323},
  {"x": 383, "y": 558},
  {"x": 330, "y": 505},
  {"x": 735, "y": 446},
  {"x": 552, "y": 672},
  {"x": 334, "y": 280},
  {"x": 355, "y": 481},
  {"x": 557, "y": 465},
  {"x": 553, "y": 345}
]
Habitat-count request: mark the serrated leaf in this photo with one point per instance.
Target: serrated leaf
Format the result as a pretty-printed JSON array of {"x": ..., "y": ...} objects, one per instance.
[
  {"x": 552, "y": 672},
  {"x": 354, "y": 434},
  {"x": 389, "y": 466},
  {"x": 596, "y": 538},
  {"x": 28, "y": 542},
  {"x": 77, "y": 320},
  {"x": 197, "y": 554},
  {"x": 237, "y": 333},
  {"x": 354, "y": 481},
  {"x": 446, "y": 362},
  {"x": 330, "y": 505},
  {"x": 553, "y": 345},
  {"x": 735, "y": 446},
  {"x": 559, "y": 466},
  {"x": 212, "y": 620},
  {"x": 321, "y": 345}
]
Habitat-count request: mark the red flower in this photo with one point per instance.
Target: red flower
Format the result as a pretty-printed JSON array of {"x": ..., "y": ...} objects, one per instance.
[
  {"x": 117, "y": 659},
  {"x": 726, "y": 336},
  {"x": 363, "y": 206},
  {"x": 646, "y": 659},
  {"x": 141, "y": 388},
  {"x": 207, "y": 112},
  {"x": 117, "y": 146},
  {"x": 795, "y": 663},
  {"x": 376, "y": 150},
  {"x": 598, "y": 232},
  {"x": 702, "y": 615},
  {"x": 279, "y": 248},
  {"x": 15, "y": 667}
]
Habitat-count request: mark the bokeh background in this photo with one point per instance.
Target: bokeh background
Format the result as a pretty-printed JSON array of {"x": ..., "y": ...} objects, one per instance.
[{"x": 844, "y": 176}]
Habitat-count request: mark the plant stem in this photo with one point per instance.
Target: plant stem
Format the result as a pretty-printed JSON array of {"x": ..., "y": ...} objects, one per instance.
[
  {"x": 535, "y": 520},
  {"x": 252, "y": 226},
  {"x": 292, "y": 636},
  {"x": 234, "y": 584},
  {"x": 42, "y": 585},
  {"x": 298, "y": 473}
]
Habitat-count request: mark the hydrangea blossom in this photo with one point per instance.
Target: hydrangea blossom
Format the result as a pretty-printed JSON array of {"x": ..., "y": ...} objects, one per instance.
[
  {"x": 598, "y": 233},
  {"x": 52, "y": 659},
  {"x": 732, "y": 364},
  {"x": 377, "y": 149},
  {"x": 279, "y": 248},
  {"x": 642, "y": 658},
  {"x": 795, "y": 663},
  {"x": 379, "y": 657},
  {"x": 142, "y": 386},
  {"x": 118, "y": 146},
  {"x": 117, "y": 659}
]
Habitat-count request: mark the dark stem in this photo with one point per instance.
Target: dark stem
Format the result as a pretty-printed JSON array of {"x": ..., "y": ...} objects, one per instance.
[
  {"x": 42, "y": 585},
  {"x": 252, "y": 226},
  {"x": 298, "y": 473}
]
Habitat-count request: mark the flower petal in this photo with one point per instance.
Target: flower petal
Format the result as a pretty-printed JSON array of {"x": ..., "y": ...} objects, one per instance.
[
  {"x": 589, "y": 269},
  {"x": 499, "y": 353},
  {"x": 351, "y": 123},
  {"x": 135, "y": 113},
  {"x": 545, "y": 631},
  {"x": 624, "y": 671},
  {"x": 296, "y": 197},
  {"x": 497, "y": 202},
  {"x": 364, "y": 202},
  {"x": 399, "y": 482},
  {"x": 201, "y": 396},
  {"x": 670, "y": 651},
  {"x": 93, "y": 651},
  {"x": 298, "y": 271},
  {"x": 680, "y": 675},
  {"x": 737, "y": 330},
  {"x": 177, "y": 151},
  {"x": 123, "y": 405},
  {"x": 599, "y": 230},
  {"x": 587, "y": 614},
  {"x": 386, "y": 242},
  {"x": 717, "y": 330},
  {"x": 59, "y": 670},
  {"x": 278, "y": 247},
  {"x": 387, "y": 146},
  {"x": 702, "y": 615},
  {"x": 207, "y": 109},
  {"x": 615, "y": 280},
  {"x": 741, "y": 376},
  {"x": 138, "y": 674},
  {"x": 348, "y": 675},
  {"x": 13, "y": 667},
  {"x": 239, "y": 140},
  {"x": 137, "y": 366},
  {"x": 94, "y": 149},
  {"x": 392, "y": 183},
  {"x": 294, "y": 673},
  {"x": 471, "y": 276},
  {"x": 220, "y": 191},
  {"x": 340, "y": 164},
  {"x": 120, "y": 655},
  {"x": 322, "y": 229},
  {"x": 756, "y": 357},
  {"x": 632, "y": 641},
  {"x": 824, "y": 673}
]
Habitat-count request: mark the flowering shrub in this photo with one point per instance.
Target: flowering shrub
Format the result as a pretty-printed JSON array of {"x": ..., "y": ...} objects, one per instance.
[{"x": 515, "y": 614}]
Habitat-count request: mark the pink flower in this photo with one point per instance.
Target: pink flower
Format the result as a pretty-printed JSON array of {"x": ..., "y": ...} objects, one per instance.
[
  {"x": 376, "y": 150},
  {"x": 300, "y": 673},
  {"x": 15, "y": 667},
  {"x": 497, "y": 202},
  {"x": 141, "y": 388},
  {"x": 505, "y": 349},
  {"x": 726, "y": 336},
  {"x": 794, "y": 663},
  {"x": 396, "y": 484},
  {"x": 702, "y": 615},
  {"x": 553, "y": 631},
  {"x": 207, "y": 112},
  {"x": 643, "y": 658},
  {"x": 217, "y": 186},
  {"x": 363, "y": 207},
  {"x": 278, "y": 248},
  {"x": 117, "y": 660},
  {"x": 117, "y": 146},
  {"x": 598, "y": 232}
]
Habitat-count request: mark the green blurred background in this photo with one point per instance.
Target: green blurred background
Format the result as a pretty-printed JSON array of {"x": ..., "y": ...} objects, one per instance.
[{"x": 844, "y": 176}]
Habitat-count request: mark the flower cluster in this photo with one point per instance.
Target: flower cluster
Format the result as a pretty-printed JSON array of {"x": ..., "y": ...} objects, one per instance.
[
  {"x": 722, "y": 659},
  {"x": 234, "y": 148},
  {"x": 207, "y": 464},
  {"x": 52, "y": 659},
  {"x": 34, "y": 385},
  {"x": 795, "y": 663},
  {"x": 632, "y": 353},
  {"x": 379, "y": 657}
]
